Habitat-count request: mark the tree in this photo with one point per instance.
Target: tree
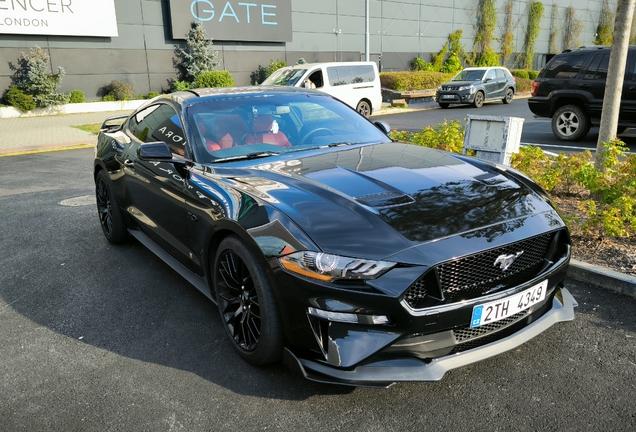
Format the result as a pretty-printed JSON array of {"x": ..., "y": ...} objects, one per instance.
[
  {"x": 198, "y": 55},
  {"x": 615, "y": 76},
  {"x": 33, "y": 78}
]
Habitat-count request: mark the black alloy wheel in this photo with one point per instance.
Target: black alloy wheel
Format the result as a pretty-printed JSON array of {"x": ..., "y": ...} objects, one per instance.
[
  {"x": 479, "y": 99},
  {"x": 509, "y": 95},
  {"x": 364, "y": 108},
  {"x": 247, "y": 304},
  {"x": 110, "y": 217}
]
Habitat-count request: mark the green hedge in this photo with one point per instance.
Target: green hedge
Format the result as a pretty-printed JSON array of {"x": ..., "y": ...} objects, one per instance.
[
  {"x": 406, "y": 81},
  {"x": 217, "y": 78},
  {"x": 524, "y": 84},
  {"x": 19, "y": 99},
  {"x": 524, "y": 73}
]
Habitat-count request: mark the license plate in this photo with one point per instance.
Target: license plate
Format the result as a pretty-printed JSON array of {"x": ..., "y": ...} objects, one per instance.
[
  {"x": 500, "y": 309},
  {"x": 448, "y": 96}
]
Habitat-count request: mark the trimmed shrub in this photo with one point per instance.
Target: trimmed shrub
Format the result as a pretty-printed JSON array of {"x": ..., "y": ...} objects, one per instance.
[
  {"x": 19, "y": 99},
  {"x": 120, "y": 91},
  {"x": 214, "y": 79},
  {"x": 405, "y": 81},
  {"x": 447, "y": 136},
  {"x": 520, "y": 73},
  {"x": 177, "y": 85},
  {"x": 532, "y": 74},
  {"x": 108, "y": 98},
  {"x": 77, "y": 96},
  {"x": 152, "y": 95}
]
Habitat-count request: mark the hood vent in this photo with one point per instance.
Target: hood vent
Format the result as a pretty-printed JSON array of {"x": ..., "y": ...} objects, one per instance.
[{"x": 385, "y": 199}]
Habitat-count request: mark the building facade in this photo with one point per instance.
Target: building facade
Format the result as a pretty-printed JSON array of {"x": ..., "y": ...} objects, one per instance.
[{"x": 98, "y": 41}]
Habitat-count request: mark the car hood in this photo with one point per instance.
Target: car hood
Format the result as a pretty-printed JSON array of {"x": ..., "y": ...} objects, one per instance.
[
  {"x": 461, "y": 83},
  {"x": 376, "y": 200}
]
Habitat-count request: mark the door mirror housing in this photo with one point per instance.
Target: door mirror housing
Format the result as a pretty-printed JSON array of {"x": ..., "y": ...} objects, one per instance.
[
  {"x": 383, "y": 126},
  {"x": 154, "y": 150}
]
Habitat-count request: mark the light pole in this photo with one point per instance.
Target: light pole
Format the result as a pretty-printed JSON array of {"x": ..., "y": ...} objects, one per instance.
[{"x": 366, "y": 30}]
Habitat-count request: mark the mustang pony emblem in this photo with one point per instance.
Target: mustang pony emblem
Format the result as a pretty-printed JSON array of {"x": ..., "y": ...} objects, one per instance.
[{"x": 505, "y": 261}]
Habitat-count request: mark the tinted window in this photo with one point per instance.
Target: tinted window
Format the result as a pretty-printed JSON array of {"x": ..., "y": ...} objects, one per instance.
[
  {"x": 500, "y": 73},
  {"x": 566, "y": 66},
  {"x": 343, "y": 75},
  {"x": 159, "y": 123},
  {"x": 339, "y": 75},
  {"x": 491, "y": 74},
  {"x": 597, "y": 69}
]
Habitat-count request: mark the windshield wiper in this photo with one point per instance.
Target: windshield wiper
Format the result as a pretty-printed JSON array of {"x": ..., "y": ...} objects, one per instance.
[
  {"x": 343, "y": 143},
  {"x": 253, "y": 155}
]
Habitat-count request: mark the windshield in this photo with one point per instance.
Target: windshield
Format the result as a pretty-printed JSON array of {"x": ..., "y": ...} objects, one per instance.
[
  {"x": 285, "y": 77},
  {"x": 261, "y": 125},
  {"x": 469, "y": 75}
]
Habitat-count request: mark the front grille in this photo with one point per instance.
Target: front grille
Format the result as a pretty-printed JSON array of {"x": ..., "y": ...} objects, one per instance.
[{"x": 476, "y": 275}]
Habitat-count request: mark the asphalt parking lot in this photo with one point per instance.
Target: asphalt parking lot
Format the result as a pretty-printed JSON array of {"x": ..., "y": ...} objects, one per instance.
[{"x": 98, "y": 337}]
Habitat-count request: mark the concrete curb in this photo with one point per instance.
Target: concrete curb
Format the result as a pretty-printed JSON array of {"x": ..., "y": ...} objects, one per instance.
[{"x": 609, "y": 279}]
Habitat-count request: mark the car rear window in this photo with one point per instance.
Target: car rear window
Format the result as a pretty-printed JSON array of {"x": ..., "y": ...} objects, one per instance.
[{"x": 565, "y": 66}]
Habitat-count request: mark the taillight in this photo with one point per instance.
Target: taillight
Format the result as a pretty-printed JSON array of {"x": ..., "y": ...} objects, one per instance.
[{"x": 535, "y": 87}]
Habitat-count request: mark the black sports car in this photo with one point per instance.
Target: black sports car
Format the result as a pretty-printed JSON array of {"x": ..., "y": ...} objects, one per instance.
[{"x": 356, "y": 259}]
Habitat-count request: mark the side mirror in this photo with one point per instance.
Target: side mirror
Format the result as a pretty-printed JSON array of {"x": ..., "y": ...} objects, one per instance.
[
  {"x": 154, "y": 150},
  {"x": 488, "y": 79},
  {"x": 383, "y": 126}
]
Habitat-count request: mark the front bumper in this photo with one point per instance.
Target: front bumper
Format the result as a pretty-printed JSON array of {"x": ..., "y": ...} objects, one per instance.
[
  {"x": 383, "y": 373},
  {"x": 456, "y": 97}
]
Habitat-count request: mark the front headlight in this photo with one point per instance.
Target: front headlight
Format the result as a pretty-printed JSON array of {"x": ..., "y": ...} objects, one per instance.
[
  {"x": 329, "y": 268},
  {"x": 462, "y": 88}
]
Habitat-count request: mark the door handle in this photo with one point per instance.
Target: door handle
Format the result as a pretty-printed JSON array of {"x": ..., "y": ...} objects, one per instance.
[
  {"x": 632, "y": 87},
  {"x": 585, "y": 85}
]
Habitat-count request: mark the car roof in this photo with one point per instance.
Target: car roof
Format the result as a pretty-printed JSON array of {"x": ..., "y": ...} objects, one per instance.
[
  {"x": 484, "y": 68},
  {"x": 328, "y": 64}
]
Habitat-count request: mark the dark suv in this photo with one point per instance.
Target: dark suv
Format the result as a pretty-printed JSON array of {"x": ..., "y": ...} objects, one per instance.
[{"x": 570, "y": 90}]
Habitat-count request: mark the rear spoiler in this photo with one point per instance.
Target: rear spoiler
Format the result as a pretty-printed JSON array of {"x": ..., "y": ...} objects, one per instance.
[{"x": 112, "y": 124}]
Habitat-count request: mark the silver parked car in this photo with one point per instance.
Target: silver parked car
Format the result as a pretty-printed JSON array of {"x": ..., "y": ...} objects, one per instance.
[{"x": 477, "y": 85}]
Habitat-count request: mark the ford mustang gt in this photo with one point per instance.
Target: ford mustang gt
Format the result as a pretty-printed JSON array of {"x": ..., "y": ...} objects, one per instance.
[{"x": 353, "y": 258}]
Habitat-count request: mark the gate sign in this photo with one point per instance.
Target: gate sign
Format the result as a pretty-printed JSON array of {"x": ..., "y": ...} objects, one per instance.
[
  {"x": 234, "y": 20},
  {"x": 58, "y": 17}
]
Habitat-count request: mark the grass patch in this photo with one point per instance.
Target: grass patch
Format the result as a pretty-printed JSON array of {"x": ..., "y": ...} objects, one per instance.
[{"x": 92, "y": 128}]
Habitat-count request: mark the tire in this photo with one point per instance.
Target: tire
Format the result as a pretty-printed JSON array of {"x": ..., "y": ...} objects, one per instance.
[
  {"x": 364, "y": 108},
  {"x": 444, "y": 105},
  {"x": 479, "y": 99},
  {"x": 509, "y": 95},
  {"x": 246, "y": 302},
  {"x": 570, "y": 123},
  {"x": 110, "y": 215}
]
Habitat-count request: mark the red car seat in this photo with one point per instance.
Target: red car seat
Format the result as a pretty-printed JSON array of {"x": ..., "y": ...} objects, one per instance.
[{"x": 266, "y": 133}]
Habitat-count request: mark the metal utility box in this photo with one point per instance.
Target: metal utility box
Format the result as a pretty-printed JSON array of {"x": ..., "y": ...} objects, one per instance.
[{"x": 494, "y": 138}]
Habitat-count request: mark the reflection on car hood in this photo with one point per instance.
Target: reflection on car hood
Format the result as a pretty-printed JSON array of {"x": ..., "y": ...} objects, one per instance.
[{"x": 342, "y": 197}]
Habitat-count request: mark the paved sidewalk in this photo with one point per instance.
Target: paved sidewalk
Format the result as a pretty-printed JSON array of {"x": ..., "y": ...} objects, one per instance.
[{"x": 26, "y": 134}]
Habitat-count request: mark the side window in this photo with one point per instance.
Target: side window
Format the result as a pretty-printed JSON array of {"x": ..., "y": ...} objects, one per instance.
[
  {"x": 159, "y": 123},
  {"x": 565, "y": 66},
  {"x": 597, "y": 68},
  {"x": 491, "y": 74},
  {"x": 339, "y": 75},
  {"x": 362, "y": 74},
  {"x": 500, "y": 73}
]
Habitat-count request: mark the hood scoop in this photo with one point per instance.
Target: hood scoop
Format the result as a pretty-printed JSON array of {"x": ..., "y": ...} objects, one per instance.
[{"x": 385, "y": 199}]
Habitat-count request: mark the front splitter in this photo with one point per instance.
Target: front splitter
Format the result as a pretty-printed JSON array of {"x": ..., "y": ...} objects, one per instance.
[{"x": 386, "y": 373}]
